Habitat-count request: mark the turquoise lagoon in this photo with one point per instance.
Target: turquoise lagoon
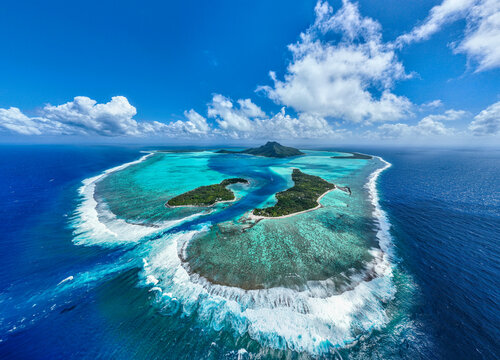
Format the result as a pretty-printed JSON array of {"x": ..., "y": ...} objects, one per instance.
[{"x": 309, "y": 283}]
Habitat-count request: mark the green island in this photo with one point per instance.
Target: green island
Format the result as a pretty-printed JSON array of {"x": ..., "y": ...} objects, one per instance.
[
  {"x": 206, "y": 195},
  {"x": 270, "y": 149},
  {"x": 354, "y": 155},
  {"x": 303, "y": 196}
]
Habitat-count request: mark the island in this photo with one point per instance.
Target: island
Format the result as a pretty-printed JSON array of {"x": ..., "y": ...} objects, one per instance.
[
  {"x": 303, "y": 196},
  {"x": 270, "y": 149},
  {"x": 354, "y": 155},
  {"x": 206, "y": 195}
]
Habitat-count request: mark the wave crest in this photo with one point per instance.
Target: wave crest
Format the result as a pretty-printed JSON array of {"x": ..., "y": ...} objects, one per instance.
[{"x": 314, "y": 320}]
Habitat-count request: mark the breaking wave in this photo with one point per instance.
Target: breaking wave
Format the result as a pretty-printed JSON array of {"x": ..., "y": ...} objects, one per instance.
[
  {"x": 315, "y": 320},
  {"x": 94, "y": 224}
]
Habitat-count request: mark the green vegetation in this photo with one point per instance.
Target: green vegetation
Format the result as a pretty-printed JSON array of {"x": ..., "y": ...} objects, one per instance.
[
  {"x": 354, "y": 155},
  {"x": 207, "y": 195},
  {"x": 302, "y": 196},
  {"x": 271, "y": 149}
]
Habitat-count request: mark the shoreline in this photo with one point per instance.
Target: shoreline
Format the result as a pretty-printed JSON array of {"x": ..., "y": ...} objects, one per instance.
[
  {"x": 247, "y": 183},
  {"x": 200, "y": 206},
  {"x": 319, "y": 206},
  {"x": 334, "y": 301}
]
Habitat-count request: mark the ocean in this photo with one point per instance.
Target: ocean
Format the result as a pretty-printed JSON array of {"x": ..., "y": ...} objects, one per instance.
[{"x": 72, "y": 288}]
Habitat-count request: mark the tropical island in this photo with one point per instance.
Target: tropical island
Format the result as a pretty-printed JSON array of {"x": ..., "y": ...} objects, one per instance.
[
  {"x": 270, "y": 149},
  {"x": 206, "y": 195},
  {"x": 303, "y": 196},
  {"x": 354, "y": 155}
]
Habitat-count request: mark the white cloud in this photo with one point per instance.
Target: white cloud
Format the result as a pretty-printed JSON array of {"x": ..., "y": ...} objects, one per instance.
[
  {"x": 248, "y": 108},
  {"x": 431, "y": 125},
  {"x": 338, "y": 79},
  {"x": 432, "y": 104},
  {"x": 347, "y": 21},
  {"x": 487, "y": 122},
  {"x": 12, "y": 119},
  {"x": 424, "y": 128},
  {"x": 84, "y": 116},
  {"x": 449, "y": 115},
  {"x": 427, "y": 127},
  {"x": 481, "y": 42},
  {"x": 304, "y": 126},
  {"x": 341, "y": 70},
  {"x": 249, "y": 121},
  {"x": 482, "y": 39},
  {"x": 230, "y": 118},
  {"x": 196, "y": 123},
  {"x": 440, "y": 15}
]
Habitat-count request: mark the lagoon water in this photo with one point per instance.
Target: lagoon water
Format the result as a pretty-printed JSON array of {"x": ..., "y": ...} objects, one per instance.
[{"x": 95, "y": 266}]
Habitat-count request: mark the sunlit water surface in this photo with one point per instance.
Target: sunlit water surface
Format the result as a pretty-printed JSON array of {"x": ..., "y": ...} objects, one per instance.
[{"x": 106, "y": 270}]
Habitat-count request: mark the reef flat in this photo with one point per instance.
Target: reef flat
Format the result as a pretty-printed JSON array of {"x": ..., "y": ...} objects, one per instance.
[
  {"x": 215, "y": 262},
  {"x": 354, "y": 155}
]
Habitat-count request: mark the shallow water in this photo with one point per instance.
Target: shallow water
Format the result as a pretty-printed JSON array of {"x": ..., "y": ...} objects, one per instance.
[
  {"x": 151, "y": 282},
  {"x": 323, "y": 270}
]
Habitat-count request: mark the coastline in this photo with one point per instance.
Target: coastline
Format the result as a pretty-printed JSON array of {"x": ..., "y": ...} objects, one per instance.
[
  {"x": 372, "y": 292},
  {"x": 201, "y": 206},
  {"x": 251, "y": 216},
  {"x": 247, "y": 183},
  {"x": 383, "y": 233},
  {"x": 192, "y": 282}
]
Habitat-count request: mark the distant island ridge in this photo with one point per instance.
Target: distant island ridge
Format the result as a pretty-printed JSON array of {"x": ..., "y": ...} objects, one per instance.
[
  {"x": 270, "y": 149},
  {"x": 354, "y": 155}
]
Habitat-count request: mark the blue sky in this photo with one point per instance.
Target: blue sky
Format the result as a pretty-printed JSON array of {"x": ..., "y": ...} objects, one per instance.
[{"x": 247, "y": 71}]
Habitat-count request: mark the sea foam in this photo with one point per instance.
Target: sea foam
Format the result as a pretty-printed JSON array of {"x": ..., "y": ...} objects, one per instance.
[
  {"x": 94, "y": 224},
  {"x": 309, "y": 320}
]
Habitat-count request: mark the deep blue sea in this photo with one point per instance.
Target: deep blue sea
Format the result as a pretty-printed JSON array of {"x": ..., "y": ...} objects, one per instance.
[{"x": 443, "y": 204}]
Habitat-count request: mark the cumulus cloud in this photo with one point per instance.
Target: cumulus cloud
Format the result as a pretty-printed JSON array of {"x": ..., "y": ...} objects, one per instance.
[
  {"x": 448, "y": 115},
  {"x": 482, "y": 39},
  {"x": 432, "y": 104},
  {"x": 230, "y": 118},
  {"x": 12, "y": 119},
  {"x": 481, "y": 42},
  {"x": 487, "y": 122},
  {"x": 196, "y": 123},
  {"x": 338, "y": 79},
  {"x": 248, "y": 120},
  {"x": 424, "y": 128},
  {"x": 341, "y": 70},
  {"x": 84, "y": 116},
  {"x": 240, "y": 119},
  {"x": 305, "y": 126}
]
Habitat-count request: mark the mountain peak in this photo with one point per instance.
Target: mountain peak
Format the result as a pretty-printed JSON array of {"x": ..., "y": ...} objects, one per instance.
[
  {"x": 274, "y": 149},
  {"x": 270, "y": 149}
]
